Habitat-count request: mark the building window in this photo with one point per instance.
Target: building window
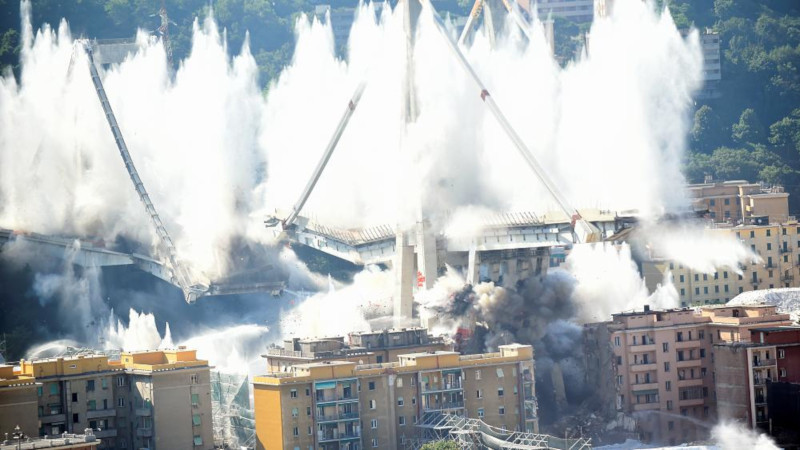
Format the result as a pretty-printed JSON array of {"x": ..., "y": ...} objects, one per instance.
[
  {"x": 478, "y": 374},
  {"x": 702, "y": 353},
  {"x": 669, "y": 405},
  {"x": 371, "y": 385},
  {"x": 195, "y": 399},
  {"x": 499, "y": 392},
  {"x": 401, "y": 421},
  {"x": 308, "y": 392},
  {"x": 682, "y": 278},
  {"x": 783, "y": 372},
  {"x": 196, "y": 419},
  {"x": 501, "y": 410},
  {"x": 666, "y": 367},
  {"x": 295, "y": 432},
  {"x": 619, "y": 380},
  {"x": 120, "y": 402},
  {"x": 480, "y": 413},
  {"x": 193, "y": 378},
  {"x": 74, "y": 397},
  {"x": 668, "y": 386},
  {"x": 91, "y": 405},
  {"x": 374, "y": 442},
  {"x": 75, "y": 418},
  {"x": 399, "y": 401},
  {"x": 198, "y": 441},
  {"x": 294, "y": 412},
  {"x": 104, "y": 383},
  {"x": 683, "y": 292},
  {"x": 308, "y": 410},
  {"x": 89, "y": 385},
  {"x": 752, "y": 234},
  {"x": 293, "y": 393},
  {"x": 769, "y": 232},
  {"x": 53, "y": 388},
  {"x": 120, "y": 380},
  {"x": 374, "y": 424},
  {"x": 616, "y": 341},
  {"x": 781, "y": 353},
  {"x": 399, "y": 382},
  {"x": 372, "y": 404},
  {"x": 413, "y": 381},
  {"x": 665, "y": 347},
  {"x": 310, "y": 432},
  {"x": 500, "y": 373}
]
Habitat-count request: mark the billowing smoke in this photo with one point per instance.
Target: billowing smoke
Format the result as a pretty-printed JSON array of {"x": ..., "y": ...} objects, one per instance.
[{"x": 547, "y": 312}]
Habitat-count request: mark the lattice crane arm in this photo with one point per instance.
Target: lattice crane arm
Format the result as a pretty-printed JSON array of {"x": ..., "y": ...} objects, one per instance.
[
  {"x": 181, "y": 274},
  {"x": 478, "y": 7},
  {"x": 323, "y": 162}
]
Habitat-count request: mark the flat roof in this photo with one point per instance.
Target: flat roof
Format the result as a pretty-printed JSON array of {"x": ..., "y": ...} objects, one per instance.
[{"x": 778, "y": 329}]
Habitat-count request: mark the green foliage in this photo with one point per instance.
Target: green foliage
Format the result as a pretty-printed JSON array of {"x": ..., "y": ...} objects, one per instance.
[
  {"x": 707, "y": 131},
  {"x": 784, "y": 134},
  {"x": 748, "y": 129},
  {"x": 756, "y": 163},
  {"x": 440, "y": 445}
]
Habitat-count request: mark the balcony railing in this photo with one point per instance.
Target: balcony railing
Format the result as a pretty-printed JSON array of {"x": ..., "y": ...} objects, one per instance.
[
  {"x": 760, "y": 399},
  {"x": 144, "y": 432},
  {"x": 336, "y": 436},
  {"x": 786, "y": 249},
  {"x": 764, "y": 363},
  {"x": 337, "y": 417},
  {"x": 427, "y": 387},
  {"x": 337, "y": 398},
  {"x": 143, "y": 412},
  {"x": 444, "y": 405},
  {"x": 93, "y": 414}
]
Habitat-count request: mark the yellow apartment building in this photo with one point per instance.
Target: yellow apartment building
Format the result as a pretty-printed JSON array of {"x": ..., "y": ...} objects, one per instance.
[
  {"x": 776, "y": 244},
  {"x": 738, "y": 200},
  {"x": 345, "y": 405},
  {"x": 369, "y": 347},
  {"x": 664, "y": 364},
  {"x": 156, "y": 399}
]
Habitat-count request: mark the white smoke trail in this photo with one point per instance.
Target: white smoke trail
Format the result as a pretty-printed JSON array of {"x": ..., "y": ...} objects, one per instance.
[
  {"x": 141, "y": 333},
  {"x": 608, "y": 282}
]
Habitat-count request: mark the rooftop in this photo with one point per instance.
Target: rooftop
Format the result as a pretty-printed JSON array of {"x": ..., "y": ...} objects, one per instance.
[{"x": 63, "y": 441}]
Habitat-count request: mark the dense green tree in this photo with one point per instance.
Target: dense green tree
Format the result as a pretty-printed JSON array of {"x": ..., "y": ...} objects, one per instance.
[
  {"x": 784, "y": 134},
  {"x": 707, "y": 131},
  {"x": 749, "y": 128}
]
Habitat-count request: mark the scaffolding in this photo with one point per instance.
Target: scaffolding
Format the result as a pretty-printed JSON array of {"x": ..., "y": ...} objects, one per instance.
[
  {"x": 234, "y": 422},
  {"x": 474, "y": 434}
]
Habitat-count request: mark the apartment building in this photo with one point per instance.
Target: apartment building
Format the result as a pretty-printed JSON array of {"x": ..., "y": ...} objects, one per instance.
[
  {"x": 775, "y": 244},
  {"x": 17, "y": 402},
  {"x": 372, "y": 347},
  {"x": 155, "y": 399},
  {"x": 738, "y": 200},
  {"x": 574, "y": 10},
  {"x": 745, "y": 371},
  {"x": 345, "y": 405},
  {"x": 664, "y": 364}
]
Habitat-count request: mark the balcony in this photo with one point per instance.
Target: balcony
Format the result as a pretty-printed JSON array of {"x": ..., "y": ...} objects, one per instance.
[
  {"x": 756, "y": 282},
  {"x": 688, "y": 362},
  {"x": 689, "y": 382},
  {"x": 444, "y": 405},
  {"x": 787, "y": 278},
  {"x": 787, "y": 249},
  {"x": 338, "y": 417},
  {"x": 691, "y": 402},
  {"x": 427, "y": 388},
  {"x": 334, "y": 435},
  {"x": 146, "y": 412},
  {"x": 649, "y": 367},
  {"x": 53, "y": 418},
  {"x": 644, "y": 387},
  {"x": 688, "y": 343},
  {"x": 337, "y": 399},
  {"x": 103, "y": 434},
  {"x": 646, "y": 406},
  {"x": 144, "y": 432},
  {"x": 758, "y": 381},
  {"x": 649, "y": 346},
  {"x": 110, "y": 412},
  {"x": 761, "y": 400},
  {"x": 764, "y": 363}
]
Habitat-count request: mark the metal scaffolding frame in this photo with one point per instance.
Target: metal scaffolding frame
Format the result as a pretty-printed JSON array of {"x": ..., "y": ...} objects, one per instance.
[{"x": 476, "y": 434}]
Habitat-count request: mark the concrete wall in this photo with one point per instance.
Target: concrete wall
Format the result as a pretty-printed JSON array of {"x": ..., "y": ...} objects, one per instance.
[
  {"x": 18, "y": 407},
  {"x": 173, "y": 409},
  {"x": 732, "y": 385}
]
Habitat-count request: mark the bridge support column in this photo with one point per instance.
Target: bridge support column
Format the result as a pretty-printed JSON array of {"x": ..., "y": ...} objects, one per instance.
[{"x": 403, "y": 300}]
